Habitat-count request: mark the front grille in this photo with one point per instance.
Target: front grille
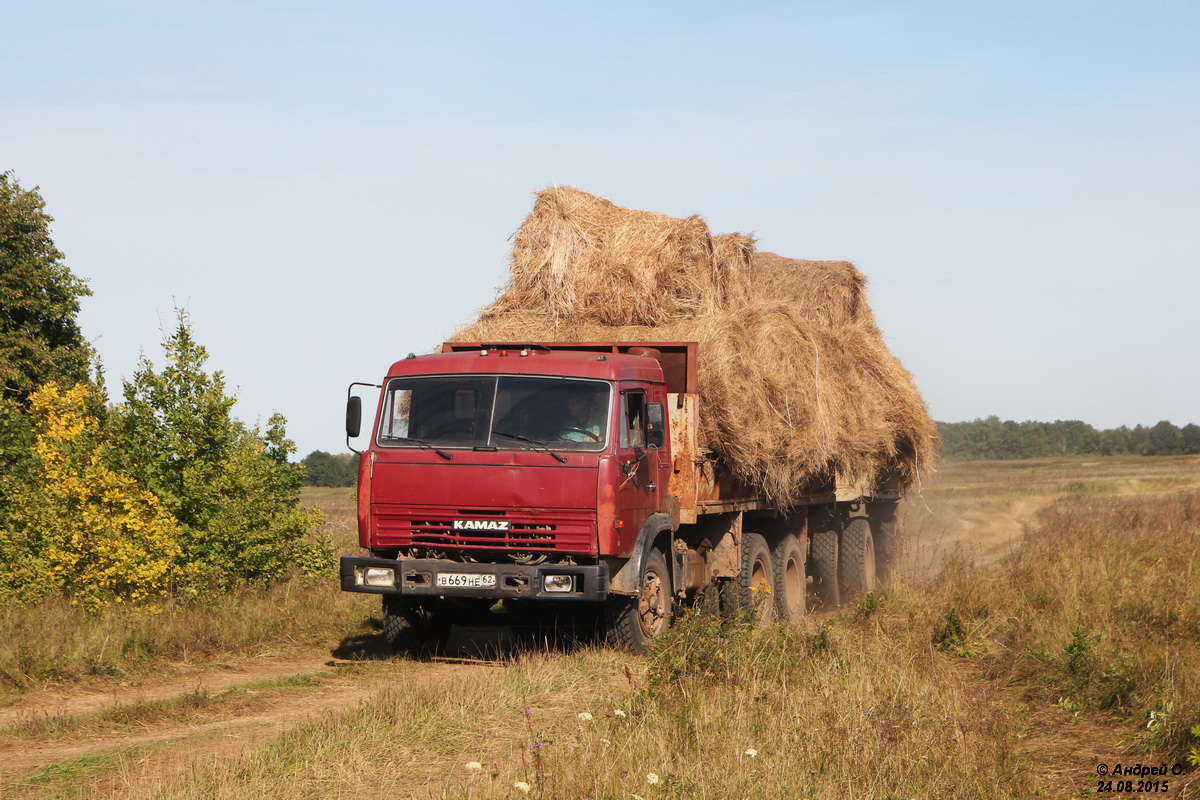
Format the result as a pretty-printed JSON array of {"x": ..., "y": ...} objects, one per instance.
[
  {"x": 573, "y": 533},
  {"x": 441, "y": 532}
]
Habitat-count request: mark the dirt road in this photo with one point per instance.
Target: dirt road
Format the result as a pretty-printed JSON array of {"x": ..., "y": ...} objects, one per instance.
[{"x": 195, "y": 712}]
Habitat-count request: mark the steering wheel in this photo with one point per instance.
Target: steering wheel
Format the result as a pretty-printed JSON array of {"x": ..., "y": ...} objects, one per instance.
[{"x": 571, "y": 429}]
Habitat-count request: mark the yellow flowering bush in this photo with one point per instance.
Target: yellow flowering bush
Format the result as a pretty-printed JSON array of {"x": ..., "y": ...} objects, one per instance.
[{"x": 81, "y": 528}]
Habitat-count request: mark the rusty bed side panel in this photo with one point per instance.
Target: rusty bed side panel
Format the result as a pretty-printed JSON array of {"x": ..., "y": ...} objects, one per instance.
[
  {"x": 698, "y": 479},
  {"x": 685, "y": 428}
]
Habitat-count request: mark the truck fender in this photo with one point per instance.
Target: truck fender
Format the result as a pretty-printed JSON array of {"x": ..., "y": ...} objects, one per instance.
[{"x": 627, "y": 576}]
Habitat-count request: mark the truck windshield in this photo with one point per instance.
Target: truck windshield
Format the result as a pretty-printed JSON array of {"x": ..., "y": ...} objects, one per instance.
[{"x": 502, "y": 411}]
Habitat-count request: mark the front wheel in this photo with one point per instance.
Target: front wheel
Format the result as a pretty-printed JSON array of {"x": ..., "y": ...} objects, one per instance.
[
  {"x": 634, "y": 622},
  {"x": 414, "y": 629}
]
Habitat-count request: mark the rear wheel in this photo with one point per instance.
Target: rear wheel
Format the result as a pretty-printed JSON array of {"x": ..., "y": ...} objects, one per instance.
[
  {"x": 825, "y": 569},
  {"x": 856, "y": 558},
  {"x": 756, "y": 580},
  {"x": 634, "y": 622},
  {"x": 885, "y": 529},
  {"x": 791, "y": 584}
]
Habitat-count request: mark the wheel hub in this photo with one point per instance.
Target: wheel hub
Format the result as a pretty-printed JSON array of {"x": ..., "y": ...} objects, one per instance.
[{"x": 652, "y": 606}]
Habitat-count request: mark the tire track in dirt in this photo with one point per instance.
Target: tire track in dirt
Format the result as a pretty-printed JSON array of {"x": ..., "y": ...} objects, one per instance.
[
  {"x": 184, "y": 678},
  {"x": 240, "y": 728},
  {"x": 277, "y": 716},
  {"x": 982, "y": 536}
]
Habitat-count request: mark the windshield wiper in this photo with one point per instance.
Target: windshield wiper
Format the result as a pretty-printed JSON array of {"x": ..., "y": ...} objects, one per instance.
[
  {"x": 534, "y": 442},
  {"x": 424, "y": 445}
]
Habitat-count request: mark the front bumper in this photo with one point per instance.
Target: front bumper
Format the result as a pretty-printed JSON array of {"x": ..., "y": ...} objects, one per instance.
[{"x": 418, "y": 577}]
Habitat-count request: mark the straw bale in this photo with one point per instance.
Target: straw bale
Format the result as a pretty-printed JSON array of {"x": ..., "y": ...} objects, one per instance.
[
  {"x": 580, "y": 256},
  {"x": 733, "y": 270},
  {"x": 835, "y": 290}
]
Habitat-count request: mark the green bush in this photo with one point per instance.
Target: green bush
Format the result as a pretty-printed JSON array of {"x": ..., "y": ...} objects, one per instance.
[{"x": 231, "y": 487}]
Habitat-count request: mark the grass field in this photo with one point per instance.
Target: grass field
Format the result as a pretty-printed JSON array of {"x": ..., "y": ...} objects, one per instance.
[{"x": 1047, "y": 622}]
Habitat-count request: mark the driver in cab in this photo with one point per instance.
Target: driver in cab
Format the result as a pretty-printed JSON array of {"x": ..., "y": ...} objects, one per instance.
[{"x": 584, "y": 422}]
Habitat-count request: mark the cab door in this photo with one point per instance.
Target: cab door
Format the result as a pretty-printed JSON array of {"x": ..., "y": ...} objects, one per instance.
[{"x": 638, "y": 495}]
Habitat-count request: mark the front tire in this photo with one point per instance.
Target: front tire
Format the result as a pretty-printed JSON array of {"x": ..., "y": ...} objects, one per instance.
[
  {"x": 634, "y": 622},
  {"x": 414, "y": 629}
]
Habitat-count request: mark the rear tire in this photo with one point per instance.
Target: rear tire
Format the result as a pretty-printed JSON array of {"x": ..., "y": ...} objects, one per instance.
[
  {"x": 885, "y": 528},
  {"x": 824, "y": 559},
  {"x": 634, "y": 622},
  {"x": 856, "y": 558},
  {"x": 791, "y": 584},
  {"x": 756, "y": 581}
]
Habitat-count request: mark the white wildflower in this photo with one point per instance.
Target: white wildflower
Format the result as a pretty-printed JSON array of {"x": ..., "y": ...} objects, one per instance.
[
  {"x": 605, "y": 742},
  {"x": 522, "y": 787},
  {"x": 752, "y": 753},
  {"x": 472, "y": 766},
  {"x": 585, "y": 717},
  {"x": 619, "y": 713},
  {"x": 652, "y": 779}
]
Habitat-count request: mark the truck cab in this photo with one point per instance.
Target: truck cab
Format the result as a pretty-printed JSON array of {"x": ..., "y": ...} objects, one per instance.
[{"x": 510, "y": 473}]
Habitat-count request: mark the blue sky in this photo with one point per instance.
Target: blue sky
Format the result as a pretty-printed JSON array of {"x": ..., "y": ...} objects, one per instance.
[{"x": 327, "y": 188}]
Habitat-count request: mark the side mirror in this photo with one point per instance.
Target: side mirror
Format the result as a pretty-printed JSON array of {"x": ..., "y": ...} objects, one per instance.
[
  {"x": 353, "y": 416},
  {"x": 655, "y": 425}
]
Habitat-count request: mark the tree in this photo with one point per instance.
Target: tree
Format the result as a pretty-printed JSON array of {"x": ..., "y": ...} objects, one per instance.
[
  {"x": 1163, "y": 439},
  {"x": 39, "y": 299},
  {"x": 231, "y": 487},
  {"x": 1189, "y": 439},
  {"x": 325, "y": 469}
]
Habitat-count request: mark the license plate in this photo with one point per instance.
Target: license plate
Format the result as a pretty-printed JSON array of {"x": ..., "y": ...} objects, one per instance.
[{"x": 465, "y": 580}]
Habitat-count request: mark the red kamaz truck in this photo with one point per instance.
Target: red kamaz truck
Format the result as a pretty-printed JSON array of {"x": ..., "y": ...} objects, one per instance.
[{"x": 570, "y": 475}]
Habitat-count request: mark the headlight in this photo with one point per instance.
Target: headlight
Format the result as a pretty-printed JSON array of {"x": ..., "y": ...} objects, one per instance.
[
  {"x": 558, "y": 583},
  {"x": 375, "y": 576}
]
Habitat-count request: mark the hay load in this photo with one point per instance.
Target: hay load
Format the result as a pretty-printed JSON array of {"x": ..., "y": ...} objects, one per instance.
[
  {"x": 796, "y": 383},
  {"x": 580, "y": 257},
  {"x": 834, "y": 291}
]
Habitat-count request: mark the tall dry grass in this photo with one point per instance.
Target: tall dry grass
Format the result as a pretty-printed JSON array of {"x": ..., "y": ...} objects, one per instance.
[{"x": 1098, "y": 609}]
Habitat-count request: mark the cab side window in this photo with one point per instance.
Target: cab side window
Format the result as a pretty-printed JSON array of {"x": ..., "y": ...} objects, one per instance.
[{"x": 633, "y": 419}]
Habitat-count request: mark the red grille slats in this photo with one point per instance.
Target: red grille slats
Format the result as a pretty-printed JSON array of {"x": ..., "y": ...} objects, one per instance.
[{"x": 542, "y": 531}]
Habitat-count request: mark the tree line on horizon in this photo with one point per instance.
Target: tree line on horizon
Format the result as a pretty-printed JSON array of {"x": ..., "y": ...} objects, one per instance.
[{"x": 991, "y": 438}]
